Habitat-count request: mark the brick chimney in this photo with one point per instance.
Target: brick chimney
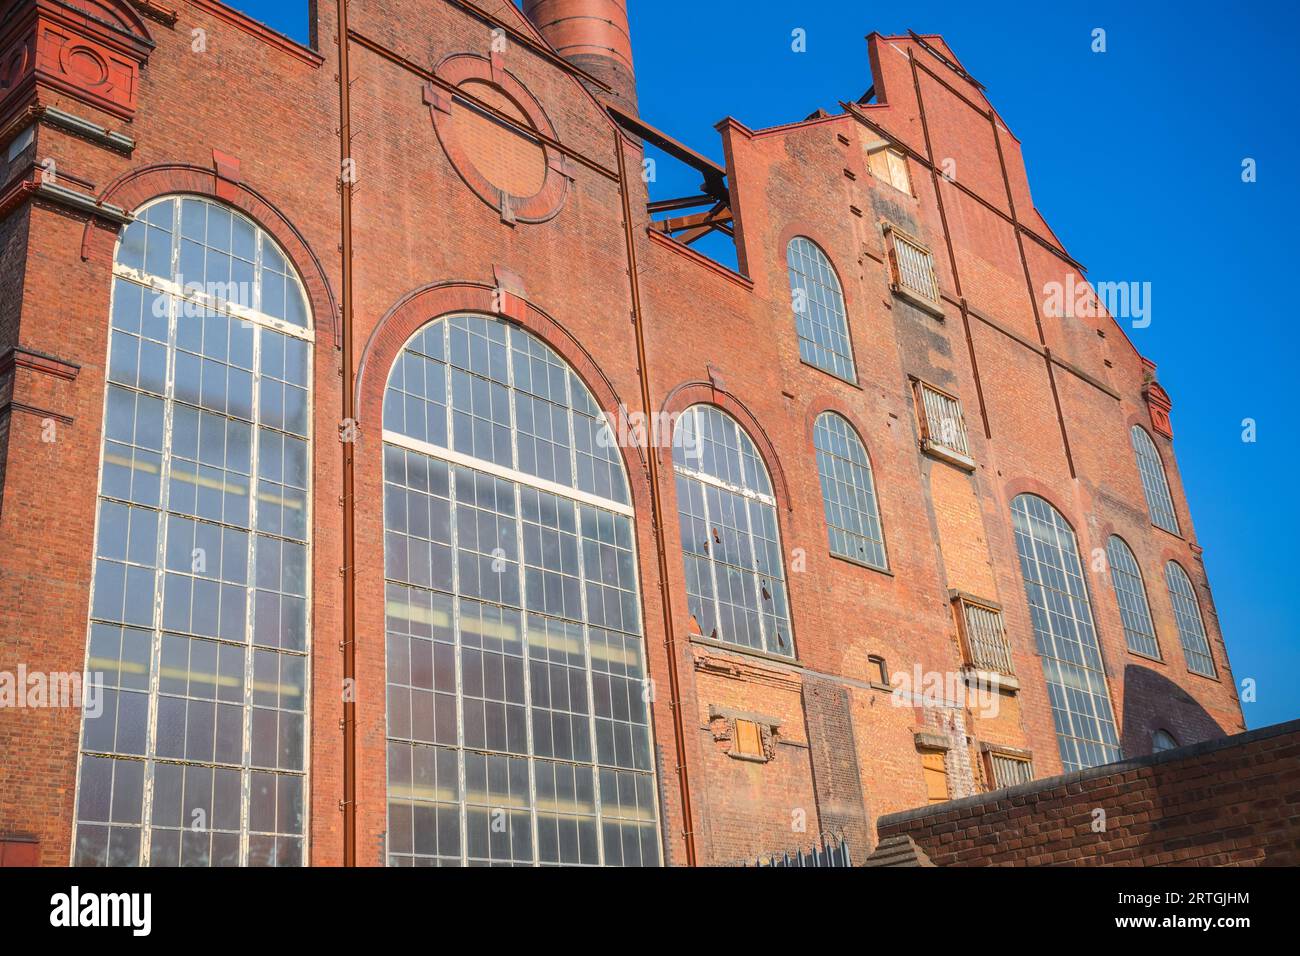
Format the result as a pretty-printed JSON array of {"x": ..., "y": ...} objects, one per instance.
[{"x": 593, "y": 35}]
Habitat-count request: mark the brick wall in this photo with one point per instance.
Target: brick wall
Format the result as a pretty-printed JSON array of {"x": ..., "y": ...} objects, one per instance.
[{"x": 1230, "y": 802}]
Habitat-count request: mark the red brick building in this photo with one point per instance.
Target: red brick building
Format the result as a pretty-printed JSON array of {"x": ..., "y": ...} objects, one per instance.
[{"x": 302, "y": 386}]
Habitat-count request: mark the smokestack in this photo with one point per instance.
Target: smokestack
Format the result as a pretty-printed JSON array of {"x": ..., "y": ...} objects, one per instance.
[{"x": 593, "y": 35}]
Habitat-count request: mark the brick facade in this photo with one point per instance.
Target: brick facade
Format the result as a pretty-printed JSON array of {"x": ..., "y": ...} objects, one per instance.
[
  {"x": 1226, "y": 802},
  {"x": 253, "y": 120}
]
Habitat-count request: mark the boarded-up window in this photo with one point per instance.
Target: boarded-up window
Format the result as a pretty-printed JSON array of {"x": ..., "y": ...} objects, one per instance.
[
  {"x": 936, "y": 775},
  {"x": 890, "y": 165},
  {"x": 749, "y": 738}
]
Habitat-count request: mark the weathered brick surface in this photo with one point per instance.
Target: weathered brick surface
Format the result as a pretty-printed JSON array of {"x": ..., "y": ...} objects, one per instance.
[
  {"x": 426, "y": 245},
  {"x": 1226, "y": 802}
]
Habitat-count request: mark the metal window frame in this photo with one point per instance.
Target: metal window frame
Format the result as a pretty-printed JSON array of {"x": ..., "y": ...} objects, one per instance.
[
  {"x": 520, "y": 480},
  {"x": 818, "y": 454},
  {"x": 1190, "y": 612},
  {"x": 769, "y": 500},
  {"x": 176, "y": 296}
]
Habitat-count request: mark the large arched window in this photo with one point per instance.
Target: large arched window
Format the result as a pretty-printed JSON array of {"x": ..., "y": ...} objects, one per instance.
[
  {"x": 1063, "y": 627},
  {"x": 199, "y": 620},
  {"x": 1131, "y": 593},
  {"x": 1154, "y": 484},
  {"x": 735, "y": 575},
  {"x": 1191, "y": 628},
  {"x": 848, "y": 492},
  {"x": 819, "y": 314},
  {"x": 518, "y": 715}
]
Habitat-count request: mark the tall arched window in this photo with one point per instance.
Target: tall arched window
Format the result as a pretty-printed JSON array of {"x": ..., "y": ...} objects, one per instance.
[
  {"x": 1191, "y": 628},
  {"x": 848, "y": 492},
  {"x": 1063, "y": 627},
  {"x": 819, "y": 315},
  {"x": 735, "y": 575},
  {"x": 518, "y": 715},
  {"x": 1154, "y": 484},
  {"x": 1131, "y": 593},
  {"x": 199, "y": 620}
]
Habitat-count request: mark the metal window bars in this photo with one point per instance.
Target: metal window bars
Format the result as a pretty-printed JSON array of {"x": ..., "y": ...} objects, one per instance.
[{"x": 983, "y": 636}]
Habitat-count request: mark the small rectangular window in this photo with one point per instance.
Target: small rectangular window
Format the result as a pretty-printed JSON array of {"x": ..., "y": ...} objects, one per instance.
[
  {"x": 1007, "y": 770},
  {"x": 889, "y": 165},
  {"x": 749, "y": 738},
  {"x": 943, "y": 426},
  {"x": 913, "y": 268},
  {"x": 983, "y": 636},
  {"x": 935, "y": 770}
]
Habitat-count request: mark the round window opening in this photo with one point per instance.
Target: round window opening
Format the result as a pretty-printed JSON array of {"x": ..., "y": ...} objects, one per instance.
[{"x": 495, "y": 134}]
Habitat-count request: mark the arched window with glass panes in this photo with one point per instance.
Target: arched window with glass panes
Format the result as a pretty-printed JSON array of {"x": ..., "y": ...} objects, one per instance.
[
  {"x": 1131, "y": 594},
  {"x": 200, "y": 612},
  {"x": 1061, "y": 615},
  {"x": 820, "y": 318},
  {"x": 518, "y": 701},
  {"x": 1155, "y": 485},
  {"x": 1191, "y": 627},
  {"x": 848, "y": 493},
  {"x": 731, "y": 543}
]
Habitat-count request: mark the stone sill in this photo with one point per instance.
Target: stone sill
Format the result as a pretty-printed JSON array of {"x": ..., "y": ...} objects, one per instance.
[{"x": 943, "y": 453}]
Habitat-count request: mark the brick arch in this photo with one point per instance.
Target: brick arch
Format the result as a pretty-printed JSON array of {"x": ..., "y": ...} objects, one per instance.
[
  {"x": 823, "y": 403},
  {"x": 704, "y": 393},
  {"x": 1016, "y": 487},
  {"x": 134, "y": 189},
  {"x": 430, "y": 303}
]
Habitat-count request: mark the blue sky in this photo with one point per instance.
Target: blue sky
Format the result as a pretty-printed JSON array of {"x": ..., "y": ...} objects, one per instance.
[{"x": 1135, "y": 158}]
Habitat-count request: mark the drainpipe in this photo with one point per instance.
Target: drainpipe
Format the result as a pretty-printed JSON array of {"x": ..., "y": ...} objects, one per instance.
[
  {"x": 657, "y": 509},
  {"x": 347, "y": 436}
]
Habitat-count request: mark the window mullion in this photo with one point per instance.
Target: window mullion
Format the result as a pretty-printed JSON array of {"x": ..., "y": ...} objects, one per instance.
[
  {"x": 246, "y": 771},
  {"x": 155, "y": 653}
]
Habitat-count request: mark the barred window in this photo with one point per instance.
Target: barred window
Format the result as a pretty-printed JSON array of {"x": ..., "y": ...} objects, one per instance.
[
  {"x": 913, "y": 267},
  {"x": 848, "y": 493},
  {"x": 943, "y": 425},
  {"x": 1154, "y": 482},
  {"x": 518, "y": 718},
  {"x": 1009, "y": 771},
  {"x": 984, "y": 637},
  {"x": 731, "y": 546},
  {"x": 1191, "y": 628},
  {"x": 1131, "y": 593},
  {"x": 819, "y": 314},
  {"x": 1067, "y": 641},
  {"x": 199, "y": 601}
]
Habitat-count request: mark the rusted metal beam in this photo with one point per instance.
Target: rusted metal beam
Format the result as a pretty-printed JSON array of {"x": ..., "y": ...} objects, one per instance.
[
  {"x": 714, "y": 175},
  {"x": 717, "y": 216},
  {"x": 685, "y": 202}
]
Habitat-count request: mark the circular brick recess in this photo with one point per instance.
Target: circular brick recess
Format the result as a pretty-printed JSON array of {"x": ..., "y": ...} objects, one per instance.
[{"x": 518, "y": 174}]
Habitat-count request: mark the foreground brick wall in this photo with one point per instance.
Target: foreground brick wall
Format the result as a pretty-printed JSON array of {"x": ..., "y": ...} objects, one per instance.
[{"x": 1231, "y": 802}]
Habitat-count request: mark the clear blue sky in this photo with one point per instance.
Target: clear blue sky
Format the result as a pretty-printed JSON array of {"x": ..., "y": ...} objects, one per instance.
[{"x": 1135, "y": 159}]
